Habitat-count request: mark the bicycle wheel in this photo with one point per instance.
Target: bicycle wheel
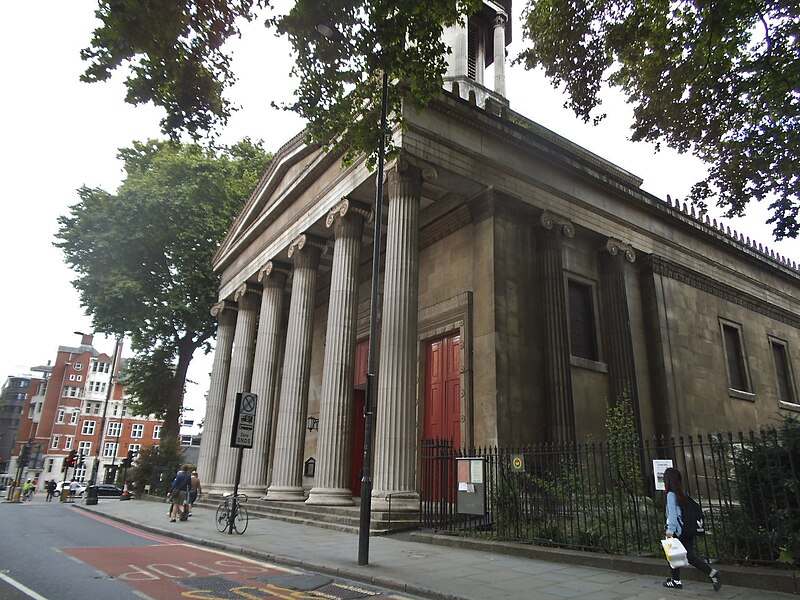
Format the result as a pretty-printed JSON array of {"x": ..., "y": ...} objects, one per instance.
[
  {"x": 241, "y": 520},
  {"x": 221, "y": 518}
]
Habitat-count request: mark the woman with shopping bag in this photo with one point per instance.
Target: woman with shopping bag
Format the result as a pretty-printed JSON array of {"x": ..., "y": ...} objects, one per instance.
[{"x": 676, "y": 498}]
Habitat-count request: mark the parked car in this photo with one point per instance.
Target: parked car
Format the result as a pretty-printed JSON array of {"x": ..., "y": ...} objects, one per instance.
[
  {"x": 106, "y": 490},
  {"x": 65, "y": 484}
]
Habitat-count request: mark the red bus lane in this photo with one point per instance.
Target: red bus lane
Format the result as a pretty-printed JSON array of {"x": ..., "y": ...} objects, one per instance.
[{"x": 177, "y": 571}]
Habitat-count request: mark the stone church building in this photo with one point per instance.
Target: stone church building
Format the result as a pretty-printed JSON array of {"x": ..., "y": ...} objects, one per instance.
[{"x": 525, "y": 284}]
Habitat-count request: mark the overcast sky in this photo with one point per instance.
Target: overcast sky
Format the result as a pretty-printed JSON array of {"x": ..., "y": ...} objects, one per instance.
[{"x": 59, "y": 134}]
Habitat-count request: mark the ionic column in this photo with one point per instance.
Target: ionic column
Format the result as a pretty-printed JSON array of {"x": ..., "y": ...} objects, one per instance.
[
  {"x": 558, "y": 377},
  {"x": 225, "y": 312},
  {"x": 287, "y": 479},
  {"x": 615, "y": 255},
  {"x": 265, "y": 370},
  {"x": 500, "y": 53},
  {"x": 395, "y": 430},
  {"x": 336, "y": 405},
  {"x": 247, "y": 296}
]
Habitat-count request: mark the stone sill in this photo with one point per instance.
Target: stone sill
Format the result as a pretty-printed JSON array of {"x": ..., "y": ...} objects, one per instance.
[{"x": 585, "y": 363}]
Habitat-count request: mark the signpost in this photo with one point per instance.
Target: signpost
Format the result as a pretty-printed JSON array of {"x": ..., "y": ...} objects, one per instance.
[{"x": 244, "y": 422}]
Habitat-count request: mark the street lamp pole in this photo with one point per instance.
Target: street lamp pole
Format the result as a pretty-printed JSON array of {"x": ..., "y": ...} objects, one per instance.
[
  {"x": 109, "y": 391},
  {"x": 365, "y": 513},
  {"x": 369, "y": 404}
]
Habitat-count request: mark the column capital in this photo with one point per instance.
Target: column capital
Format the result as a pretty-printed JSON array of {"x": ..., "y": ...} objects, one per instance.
[
  {"x": 246, "y": 288},
  {"x": 273, "y": 270},
  {"x": 500, "y": 19},
  {"x": 349, "y": 207},
  {"x": 222, "y": 306},
  {"x": 549, "y": 220},
  {"x": 407, "y": 165},
  {"x": 614, "y": 246},
  {"x": 307, "y": 239}
]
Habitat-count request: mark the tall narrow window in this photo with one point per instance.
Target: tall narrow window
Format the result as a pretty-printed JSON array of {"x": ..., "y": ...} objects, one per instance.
[
  {"x": 472, "y": 51},
  {"x": 582, "y": 331},
  {"x": 734, "y": 356},
  {"x": 783, "y": 372}
]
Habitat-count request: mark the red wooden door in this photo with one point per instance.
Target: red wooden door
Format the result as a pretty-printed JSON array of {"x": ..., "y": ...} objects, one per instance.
[{"x": 443, "y": 389}]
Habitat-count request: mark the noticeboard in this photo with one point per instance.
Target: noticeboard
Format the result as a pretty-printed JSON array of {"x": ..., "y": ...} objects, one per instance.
[
  {"x": 471, "y": 492},
  {"x": 244, "y": 420}
]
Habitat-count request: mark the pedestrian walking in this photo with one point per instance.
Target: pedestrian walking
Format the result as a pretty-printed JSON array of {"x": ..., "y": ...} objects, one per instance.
[
  {"x": 178, "y": 492},
  {"x": 74, "y": 486},
  {"x": 49, "y": 487},
  {"x": 195, "y": 490},
  {"x": 677, "y": 501}
]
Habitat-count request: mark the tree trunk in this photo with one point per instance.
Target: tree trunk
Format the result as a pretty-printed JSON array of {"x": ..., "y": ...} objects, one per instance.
[{"x": 170, "y": 433}]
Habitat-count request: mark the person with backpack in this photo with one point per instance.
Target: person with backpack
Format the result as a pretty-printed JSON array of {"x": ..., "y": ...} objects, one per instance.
[
  {"x": 679, "y": 504},
  {"x": 178, "y": 492}
]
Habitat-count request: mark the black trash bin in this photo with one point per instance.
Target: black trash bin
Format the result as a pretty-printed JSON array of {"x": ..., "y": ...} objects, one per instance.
[{"x": 91, "y": 494}]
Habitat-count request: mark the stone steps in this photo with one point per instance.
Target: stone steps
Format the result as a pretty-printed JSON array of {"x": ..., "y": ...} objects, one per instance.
[{"x": 339, "y": 518}]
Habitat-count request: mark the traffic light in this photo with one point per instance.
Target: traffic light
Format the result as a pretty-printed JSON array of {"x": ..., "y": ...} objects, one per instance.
[
  {"x": 128, "y": 461},
  {"x": 70, "y": 460}
]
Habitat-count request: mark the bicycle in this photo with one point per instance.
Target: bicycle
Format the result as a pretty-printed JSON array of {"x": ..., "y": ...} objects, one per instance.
[{"x": 232, "y": 509}]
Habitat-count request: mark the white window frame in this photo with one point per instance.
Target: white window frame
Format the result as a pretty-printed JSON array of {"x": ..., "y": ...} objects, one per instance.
[
  {"x": 157, "y": 432},
  {"x": 110, "y": 449},
  {"x": 68, "y": 442},
  {"x": 114, "y": 429},
  {"x": 87, "y": 428},
  {"x": 137, "y": 431},
  {"x": 61, "y": 414},
  {"x": 55, "y": 441}
]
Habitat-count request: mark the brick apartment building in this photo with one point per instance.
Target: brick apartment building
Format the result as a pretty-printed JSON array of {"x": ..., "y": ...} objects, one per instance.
[{"x": 80, "y": 405}]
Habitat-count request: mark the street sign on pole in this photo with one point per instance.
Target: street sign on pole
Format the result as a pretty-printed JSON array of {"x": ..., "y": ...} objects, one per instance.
[{"x": 244, "y": 420}]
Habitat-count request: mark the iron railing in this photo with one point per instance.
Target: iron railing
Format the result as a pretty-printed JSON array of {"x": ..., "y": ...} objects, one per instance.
[{"x": 603, "y": 496}]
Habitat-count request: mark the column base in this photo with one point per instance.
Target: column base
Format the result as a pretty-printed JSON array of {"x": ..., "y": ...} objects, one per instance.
[
  {"x": 253, "y": 491},
  {"x": 396, "y": 501},
  {"x": 218, "y": 489},
  {"x": 286, "y": 494},
  {"x": 330, "y": 497}
]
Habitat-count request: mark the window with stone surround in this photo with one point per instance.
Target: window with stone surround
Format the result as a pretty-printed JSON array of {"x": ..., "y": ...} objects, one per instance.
[
  {"x": 787, "y": 392},
  {"x": 739, "y": 383},
  {"x": 88, "y": 428},
  {"x": 582, "y": 321}
]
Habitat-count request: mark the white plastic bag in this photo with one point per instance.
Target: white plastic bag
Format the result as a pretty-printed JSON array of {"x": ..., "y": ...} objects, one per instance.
[{"x": 675, "y": 552}]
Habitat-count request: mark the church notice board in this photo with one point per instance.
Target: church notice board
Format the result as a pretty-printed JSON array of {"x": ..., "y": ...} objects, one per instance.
[{"x": 471, "y": 492}]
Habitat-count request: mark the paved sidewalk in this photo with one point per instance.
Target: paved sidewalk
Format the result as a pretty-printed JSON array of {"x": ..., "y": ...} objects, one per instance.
[{"x": 428, "y": 570}]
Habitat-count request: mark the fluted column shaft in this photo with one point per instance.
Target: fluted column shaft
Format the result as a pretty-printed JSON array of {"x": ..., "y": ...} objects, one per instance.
[
  {"x": 500, "y": 54},
  {"x": 618, "y": 343},
  {"x": 287, "y": 480},
  {"x": 215, "y": 402},
  {"x": 336, "y": 407},
  {"x": 558, "y": 376},
  {"x": 265, "y": 369},
  {"x": 395, "y": 431},
  {"x": 247, "y": 297}
]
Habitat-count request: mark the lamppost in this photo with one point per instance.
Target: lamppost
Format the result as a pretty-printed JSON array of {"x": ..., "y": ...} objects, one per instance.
[
  {"x": 101, "y": 437},
  {"x": 365, "y": 513}
]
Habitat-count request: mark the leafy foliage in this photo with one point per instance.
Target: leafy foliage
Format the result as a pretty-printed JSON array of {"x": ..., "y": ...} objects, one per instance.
[
  {"x": 769, "y": 491},
  {"x": 155, "y": 466},
  {"x": 339, "y": 88},
  {"x": 175, "y": 53},
  {"x": 143, "y": 257},
  {"x": 719, "y": 79}
]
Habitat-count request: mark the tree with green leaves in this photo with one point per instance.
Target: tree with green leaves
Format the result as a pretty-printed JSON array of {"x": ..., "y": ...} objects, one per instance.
[
  {"x": 720, "y": 79},
  {"x": 143, "y": 258}
]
